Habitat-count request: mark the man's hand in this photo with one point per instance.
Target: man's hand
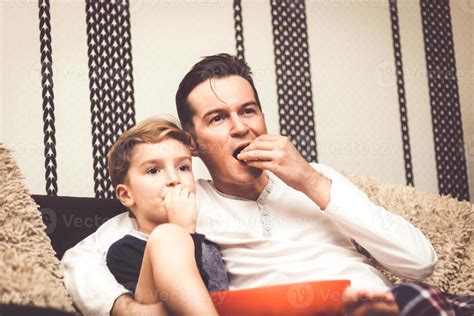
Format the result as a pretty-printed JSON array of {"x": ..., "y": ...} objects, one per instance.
[
  {"x": 180, "y": 205},
  {"x": 278, "y": 154},
  {"x": 125, "y": 305},
  {"x": 366, "y": 303}
]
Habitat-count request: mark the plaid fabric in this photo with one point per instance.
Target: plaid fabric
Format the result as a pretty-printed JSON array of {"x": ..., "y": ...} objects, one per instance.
[{"x": 421, "y": 299}]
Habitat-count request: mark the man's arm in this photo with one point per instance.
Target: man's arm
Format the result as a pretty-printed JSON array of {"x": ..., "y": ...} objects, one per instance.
[
  {"x": 87, "y": 278},
  {"x": 390, "y": 239},
  {"x": 125, "y": 305},
  {"x": 393, "y": 241}
]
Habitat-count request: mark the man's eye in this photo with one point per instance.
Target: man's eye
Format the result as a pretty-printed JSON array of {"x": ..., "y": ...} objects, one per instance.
[
  {"x": 153, "y": 170},
  {"x": 248, "y": 111},
  {"x": 216, "y": 119},
  {"x": 184, "y": 168}
]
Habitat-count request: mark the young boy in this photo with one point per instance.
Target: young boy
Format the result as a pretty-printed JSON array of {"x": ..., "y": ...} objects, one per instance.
[{"x": 150, "y": 167}]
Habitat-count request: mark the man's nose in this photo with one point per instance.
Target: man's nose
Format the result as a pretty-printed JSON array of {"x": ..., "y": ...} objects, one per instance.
[{"x": 239, "y": 127}]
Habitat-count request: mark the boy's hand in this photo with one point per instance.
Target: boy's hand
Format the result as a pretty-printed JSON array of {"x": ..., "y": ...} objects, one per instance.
[{"x": 180, "y": 206}]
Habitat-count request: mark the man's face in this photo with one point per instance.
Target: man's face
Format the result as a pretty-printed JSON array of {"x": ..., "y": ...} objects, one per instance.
[
  {"x": 226, "y": 119},
  {"x": 154, "y": 170}
]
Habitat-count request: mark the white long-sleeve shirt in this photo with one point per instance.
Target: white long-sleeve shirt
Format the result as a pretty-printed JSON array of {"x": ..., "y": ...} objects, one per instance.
[{"x": 282, "y": 237}]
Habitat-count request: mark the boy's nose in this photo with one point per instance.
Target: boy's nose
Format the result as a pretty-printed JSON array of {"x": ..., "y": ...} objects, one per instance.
[{"x": 172, "y": 179}]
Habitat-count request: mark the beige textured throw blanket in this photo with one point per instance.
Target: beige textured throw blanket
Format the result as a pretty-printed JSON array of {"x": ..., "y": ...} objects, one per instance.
[
  {"x": 29, "y": 270},
  {"x": 446, "y": 222}
]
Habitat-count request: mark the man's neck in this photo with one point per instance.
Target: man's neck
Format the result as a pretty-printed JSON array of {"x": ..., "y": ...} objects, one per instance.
[{"x": 250, "y": 191}]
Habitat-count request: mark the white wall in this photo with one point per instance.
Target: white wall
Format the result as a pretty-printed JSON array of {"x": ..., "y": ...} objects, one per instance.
[{"x": 354, "y": 89}]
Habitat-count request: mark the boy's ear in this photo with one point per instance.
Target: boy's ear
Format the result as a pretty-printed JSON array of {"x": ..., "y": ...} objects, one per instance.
[
  {"x": 123, "y": 194},
  {"x": 194, "y": 148}
]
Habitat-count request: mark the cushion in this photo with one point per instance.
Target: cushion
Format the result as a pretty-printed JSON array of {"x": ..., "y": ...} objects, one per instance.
[
  {"x": 69, "y": 220},
  {"x": 445, "y": 221},
  {"x": 22, "y": 310},
  {"x": 29, "y": 270}
]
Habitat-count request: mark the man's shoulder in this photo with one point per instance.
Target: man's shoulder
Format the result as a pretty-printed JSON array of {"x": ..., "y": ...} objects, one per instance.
[
  {"x": 203, "y": 182},
  {"x": 204, "y": 187},
  {"x": 122, "y": 222},
  {"x": 114, "y": 229}
]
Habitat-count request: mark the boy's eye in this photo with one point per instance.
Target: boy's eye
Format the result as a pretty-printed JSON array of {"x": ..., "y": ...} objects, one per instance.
[
  {"x": 152, "y": 170},
  {"x": 184, "y": 168}
]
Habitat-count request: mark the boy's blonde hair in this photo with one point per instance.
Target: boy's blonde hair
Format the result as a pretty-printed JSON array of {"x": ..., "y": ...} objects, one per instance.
[{"x": 149, "y": 131}]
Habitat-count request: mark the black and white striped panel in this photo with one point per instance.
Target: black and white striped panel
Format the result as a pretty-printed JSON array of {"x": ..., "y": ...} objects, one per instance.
[
  {"x": 49, "y": 129},
  {"x": 111, "y": 82},
  {"x": 295, "y": 99},
  {"x": 444, "y": 99},
  {"x": 401, "y": 92},
  {"x": 239, "y": 30}
]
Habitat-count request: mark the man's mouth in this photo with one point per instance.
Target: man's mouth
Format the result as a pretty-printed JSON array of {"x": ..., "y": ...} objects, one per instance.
[{"x": 238, "y": 150}]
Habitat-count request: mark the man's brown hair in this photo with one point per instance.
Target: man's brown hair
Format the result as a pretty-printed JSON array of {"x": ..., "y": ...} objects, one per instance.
[
  {"x": 216, "y": 66},
  {"x": 149, "y": 131}
]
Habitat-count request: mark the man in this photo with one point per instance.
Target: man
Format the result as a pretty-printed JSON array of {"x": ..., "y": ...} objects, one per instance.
[{"x": 276, "y": 218}]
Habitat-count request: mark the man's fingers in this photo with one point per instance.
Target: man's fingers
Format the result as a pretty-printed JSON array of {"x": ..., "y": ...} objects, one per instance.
[
  {"x": 262, "y": 144},
  {"x": 269, "y": 137},
  {"x": 264, "y": 165},
  {"x": 261, "y": 155},
  {"x": 353, "y": 298}
]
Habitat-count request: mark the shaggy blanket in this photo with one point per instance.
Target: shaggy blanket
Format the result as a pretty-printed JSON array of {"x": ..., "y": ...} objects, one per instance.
[
  {"x": 445, "y": 221},
  {"x": 29, "y": 270}
]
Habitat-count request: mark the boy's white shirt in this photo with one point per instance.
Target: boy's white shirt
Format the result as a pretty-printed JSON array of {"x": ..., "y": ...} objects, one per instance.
[{"x": 404, "y": 251}]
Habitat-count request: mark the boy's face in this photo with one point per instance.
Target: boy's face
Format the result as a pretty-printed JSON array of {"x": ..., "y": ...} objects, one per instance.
[
  {"x": 154, "y": 170},
  {"x": 226, "y": 119}
]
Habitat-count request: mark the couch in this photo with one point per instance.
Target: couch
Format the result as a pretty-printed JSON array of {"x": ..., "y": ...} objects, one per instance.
[{"x": 37, "y": 230}]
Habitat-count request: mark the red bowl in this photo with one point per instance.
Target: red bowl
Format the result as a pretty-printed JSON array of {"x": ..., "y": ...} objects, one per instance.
[{"x": 308, "y": 298}]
